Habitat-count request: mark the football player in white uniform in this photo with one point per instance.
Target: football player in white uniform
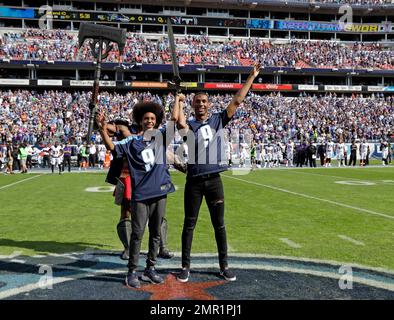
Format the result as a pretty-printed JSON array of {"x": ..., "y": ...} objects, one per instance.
[
  {"x": 363, "y": 149},
  {"x": 329, "y": 152},
  {"x": 270, "y": 155},
  {"x": 289, "y": 153},
  {"x": 56, "y": 152},
  {"x": 385, "y": 152},
  {"x": 340, "y": 150}
]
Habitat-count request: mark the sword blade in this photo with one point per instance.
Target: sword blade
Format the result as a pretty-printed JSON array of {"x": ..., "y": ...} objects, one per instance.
[{"x": 171, "y": 40}]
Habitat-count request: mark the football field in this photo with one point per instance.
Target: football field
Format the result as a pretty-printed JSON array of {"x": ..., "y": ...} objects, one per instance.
[{"x": 344, "y": 215}]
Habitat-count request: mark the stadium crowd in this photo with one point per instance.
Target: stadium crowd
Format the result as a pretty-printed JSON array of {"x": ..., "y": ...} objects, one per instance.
[
  {"x": 54, "y": 45},
  {"x": 36, "y": 120},
  {"x": 42, "y": 117}
]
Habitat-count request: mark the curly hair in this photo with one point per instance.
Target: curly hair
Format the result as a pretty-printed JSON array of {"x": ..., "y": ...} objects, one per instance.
[{"x": 144, "y": 107}]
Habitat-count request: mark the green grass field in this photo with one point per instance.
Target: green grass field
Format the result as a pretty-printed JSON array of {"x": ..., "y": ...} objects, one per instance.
[{"x": 325, "y": 220}]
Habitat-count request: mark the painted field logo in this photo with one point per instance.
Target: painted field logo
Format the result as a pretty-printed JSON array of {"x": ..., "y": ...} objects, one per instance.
[
  {"x": 259, "y": 277},
  {"x": 100, "y": 189}
]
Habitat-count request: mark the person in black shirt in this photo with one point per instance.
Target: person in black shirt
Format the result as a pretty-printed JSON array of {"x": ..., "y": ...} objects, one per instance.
[
  {"x": 353, "y": 153},
  {"x": 207, "y": 158}
]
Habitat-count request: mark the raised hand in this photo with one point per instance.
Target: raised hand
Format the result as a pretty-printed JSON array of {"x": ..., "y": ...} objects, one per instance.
[
  {"x": 100, "y": 120},
  {"x": 256, "y": 69},
  {"x": 181, "y": 97}
]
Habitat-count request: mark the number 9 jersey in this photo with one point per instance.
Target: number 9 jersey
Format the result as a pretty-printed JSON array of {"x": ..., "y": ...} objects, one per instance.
[
  {"x": 206, "y": 144},
  {"x": 146, "y": 158}
]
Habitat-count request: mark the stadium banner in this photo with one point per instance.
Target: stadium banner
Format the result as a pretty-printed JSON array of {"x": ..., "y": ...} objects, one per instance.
[
  {"x": 280, "y": 87},
  {"x": 66, "y": 15},
  {"x": 203, "y": 21},
  {"x": 308, "y": 87},
  {"x": 22, "y": 82},
  {"x": 89, "y": 83},
  {"x": 148, "y": 84},
  {"x": 306, "y": 26},
  {"x": 366, "y": 28},
  {"x": 49, "y": 82},
  {"x": 16, "y": 13},
  {"x": 214, "y": 22},
  {"x": 376, "y": 88},
  {"x": 342, "y": 88},
  {"x": 259, "y": 24},
  {"x": 224, "y": 86},
  {"x": 333, "y": 26},
  {"x": 189, "y": 84}
]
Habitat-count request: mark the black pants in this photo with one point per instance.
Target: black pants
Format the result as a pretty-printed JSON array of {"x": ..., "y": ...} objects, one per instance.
[
  {"x": 67, "y": 161},
  {"x": 353, "y": 159},
  {"x": 312, "y": 161},
  {"x": 212, "y": 189},
  {"x": 28, "y": 162},
  {"x": 45, "y": 161},
  {"x": 153, "y": 211}
]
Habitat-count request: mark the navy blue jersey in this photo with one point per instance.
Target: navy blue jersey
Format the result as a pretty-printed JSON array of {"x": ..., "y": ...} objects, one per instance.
[
  {"x": 207, "y": 152},
  {"x": 147, "y": 165}
]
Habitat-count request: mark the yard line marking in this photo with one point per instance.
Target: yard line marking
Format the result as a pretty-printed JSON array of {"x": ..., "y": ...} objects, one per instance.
[
  {"x": 324, "y": 175},
  {"x": 18, "y": 261},
  {"x": 12, "y": 255},
  {"x": 346, "y": 238},
  {"x": 14, "y": 183},
  {"x": 290, "y": 243},
  {"x": 314, "y": 198}
]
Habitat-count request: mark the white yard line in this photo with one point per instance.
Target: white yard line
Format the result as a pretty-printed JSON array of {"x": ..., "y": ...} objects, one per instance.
[
  {"x": 12, "y": 184},
  {"x": 18, "y": 261},
  {"x": 324, "y": 175},
  {"x": 356, "y": 242},
  {"x": 314, "y": 198},
  {"x": 290, "y": 243},
  {"x": 12, "y": 255}
]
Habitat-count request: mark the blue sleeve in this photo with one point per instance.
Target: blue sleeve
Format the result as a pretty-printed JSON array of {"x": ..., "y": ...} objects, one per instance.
[{"x": 122, "y": 147}]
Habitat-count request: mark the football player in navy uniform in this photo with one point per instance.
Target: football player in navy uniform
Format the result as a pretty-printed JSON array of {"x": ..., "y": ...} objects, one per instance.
[
  {"x": 207, "y": 158},
  {"x": 146, "y": 156}
]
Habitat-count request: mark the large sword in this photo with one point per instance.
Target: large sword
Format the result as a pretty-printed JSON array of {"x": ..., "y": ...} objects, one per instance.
[
  {"x": 102, "y": 39},
  {"x": 176, "y": 80}
]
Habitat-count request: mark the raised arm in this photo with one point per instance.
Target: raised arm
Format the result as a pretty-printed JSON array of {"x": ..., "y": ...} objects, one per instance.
[
  {"x": 103, "y": 127},
  {"x": 241, "y": 94},
  {"x": 178, "y": 114}
]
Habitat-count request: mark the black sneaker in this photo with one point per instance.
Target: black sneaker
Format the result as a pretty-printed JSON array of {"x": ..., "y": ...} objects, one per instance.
[
  {"x": 125, "y": 254},
  {"x": 228, "y": 275},
  {"x": 183, "y": 276},
  {"x": 165, "y": 254},
  {"x": 151, "y": 275},
  {"x": 132, "y": 280}
]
